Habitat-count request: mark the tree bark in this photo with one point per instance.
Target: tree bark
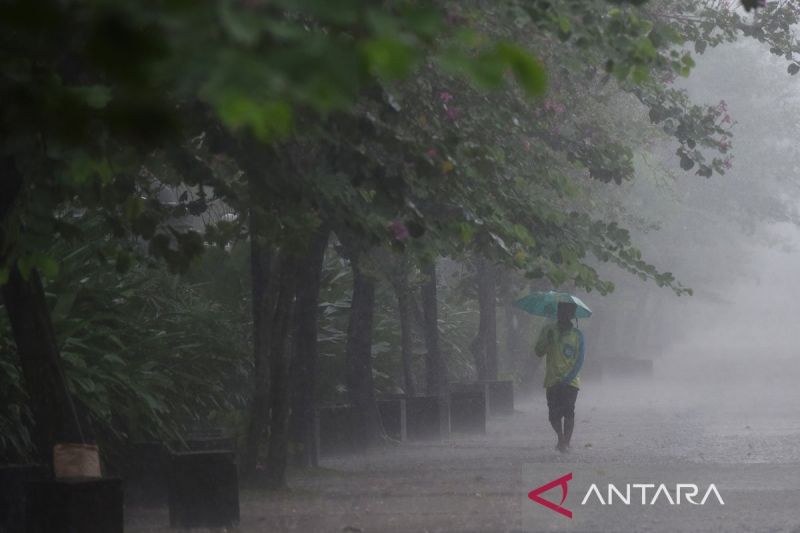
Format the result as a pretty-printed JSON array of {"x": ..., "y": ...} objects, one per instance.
[
  {"x": 51, "y": 403},
  {"x": 489, "y": 308},
  {"x": 262, "y": 290},
  {"x": 484, "y": 346},
  {"x": 515, "y": 354},
  {"x": 303, "y": 370},
  {"x": 435, "y": 367},
  {"x": 403, "y": 294},
  {"x": 360, "y": 382},
  {"x": 277, "y": 454}
]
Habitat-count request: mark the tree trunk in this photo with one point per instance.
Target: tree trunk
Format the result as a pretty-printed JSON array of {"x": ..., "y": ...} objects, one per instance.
[
  {"x": 303, "y": 369},
  {"x": 402, "y": 292},
  {"x": 435, "y": 368},
  {"x": 360, "y": 383},
  {"x": 51, "y": 403},
  {"x": 515, "y": 353},
  {"x": 262, "y": 290},
  {"x": 277, "y": 454},
  {"x": 489, "y": 308},
  {"x": 484, "y": 346}
]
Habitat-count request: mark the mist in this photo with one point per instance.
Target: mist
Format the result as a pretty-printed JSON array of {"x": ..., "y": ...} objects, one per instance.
[{"x": 405, "y": 266}]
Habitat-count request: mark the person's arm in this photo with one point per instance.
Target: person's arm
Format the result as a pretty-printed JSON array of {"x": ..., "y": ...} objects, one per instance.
[
  {"x": 544, "y": 341},
  {"x": 578, "y": 362}
]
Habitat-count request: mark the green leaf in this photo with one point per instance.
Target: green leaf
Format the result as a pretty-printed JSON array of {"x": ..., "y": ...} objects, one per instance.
[
  {"x": 84, "y": 168},
  {"x": 486, "y": 70},
  {"x": 240, "y": 26},
  {"x": 25, "y": 264},
  {"x": 640, "y": 74},
  {"x": 343, "y": 12},
  {"x": 389, "y": 58},
  {"x": 267, "y": 120},
  {"x": 48, "y": 266},
  {"x": 466, "y": 232},
  {"x": 95, "y": 96},
  {"x": 530, "y": 73},
  {"x": 123, "y": 262},
  {"x": 700, "y": 46},
  {"x": 705, "y": 171},
  {"x": 423, "y": 20},
  {"x": 645, "y": 49},
  {"x": 563, "y": 24}
]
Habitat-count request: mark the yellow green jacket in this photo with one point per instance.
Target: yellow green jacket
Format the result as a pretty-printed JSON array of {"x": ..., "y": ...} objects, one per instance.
[{"x": 564, "y": 356}]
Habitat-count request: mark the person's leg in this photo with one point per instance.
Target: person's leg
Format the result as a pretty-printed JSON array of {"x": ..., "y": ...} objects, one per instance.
[
  {"x": 555, "y": 421},
  {"x": 554, "y": 414},
  {"x": 569, "y": 426},
  {"x": 570, "y": 395}
]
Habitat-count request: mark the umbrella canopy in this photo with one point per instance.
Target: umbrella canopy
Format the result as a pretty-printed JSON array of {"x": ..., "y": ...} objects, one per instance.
[{"x": 546, "y": 304}]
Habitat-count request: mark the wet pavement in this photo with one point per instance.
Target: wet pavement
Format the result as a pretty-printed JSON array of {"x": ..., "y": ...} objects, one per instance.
[{"x": 745, "y": 439}]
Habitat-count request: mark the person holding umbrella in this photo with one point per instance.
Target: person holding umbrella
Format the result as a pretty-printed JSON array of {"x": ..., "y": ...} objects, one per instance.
[{"x": 563, "y": 346}]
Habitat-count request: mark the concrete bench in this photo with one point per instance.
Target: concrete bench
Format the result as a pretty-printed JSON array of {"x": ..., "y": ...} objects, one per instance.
[
  {"x": 203, "y": 489},
  {"x": 469, "y": 407},
  {"x": 14, "y": 481},
  {"x": 78, "y": 504},
  {"x": 208, "y": 439},
  {"x": 338, "y": 430},
  {"x": 500, "y": 397},
  {"x": 393, "y": 417},
  {"x": 427, "y": 418}
]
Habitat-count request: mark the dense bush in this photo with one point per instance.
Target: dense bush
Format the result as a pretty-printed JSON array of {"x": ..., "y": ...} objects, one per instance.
[{"x": 146, "y": 353}]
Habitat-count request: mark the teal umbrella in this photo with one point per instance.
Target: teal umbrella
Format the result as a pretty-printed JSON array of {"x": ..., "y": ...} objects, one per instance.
[{"x": 546, "y": 304}]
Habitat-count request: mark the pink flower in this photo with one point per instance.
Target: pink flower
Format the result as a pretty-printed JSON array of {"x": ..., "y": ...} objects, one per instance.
[
  {"x": 398, "y": 230},
  {"x": 445, "y": 96}
]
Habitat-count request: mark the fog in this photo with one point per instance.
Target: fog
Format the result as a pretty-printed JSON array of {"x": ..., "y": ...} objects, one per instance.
[
  {"x": 732, "y": 238},
  {"x": 311, "y": 268}
]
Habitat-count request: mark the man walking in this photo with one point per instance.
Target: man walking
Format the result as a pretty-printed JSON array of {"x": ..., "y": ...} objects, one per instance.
[{"x": 562, "y": 344}]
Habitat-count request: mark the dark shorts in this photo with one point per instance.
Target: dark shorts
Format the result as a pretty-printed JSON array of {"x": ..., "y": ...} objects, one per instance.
[{"x": 561, "y": 401}]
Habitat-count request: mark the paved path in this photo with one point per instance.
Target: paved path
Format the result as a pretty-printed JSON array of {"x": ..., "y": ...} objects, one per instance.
[{"x": 745, "y": 440}]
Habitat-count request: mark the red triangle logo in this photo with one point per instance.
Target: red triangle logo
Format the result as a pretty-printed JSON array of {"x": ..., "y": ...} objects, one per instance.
[{"x": 562, "y": 482}]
